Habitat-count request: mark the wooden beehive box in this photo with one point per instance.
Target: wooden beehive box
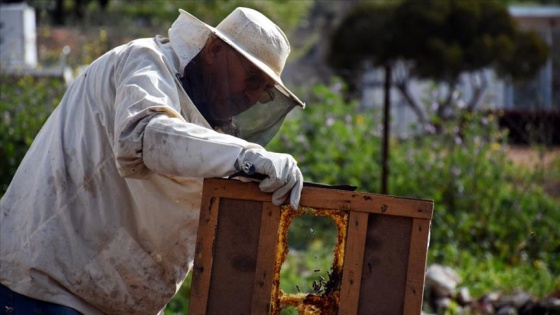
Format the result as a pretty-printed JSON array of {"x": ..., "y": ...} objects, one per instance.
[{"x": 380, "y": 271}]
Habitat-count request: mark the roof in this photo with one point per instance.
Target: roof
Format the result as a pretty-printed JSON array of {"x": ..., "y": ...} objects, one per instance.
[{"x": 535, "y": 11}]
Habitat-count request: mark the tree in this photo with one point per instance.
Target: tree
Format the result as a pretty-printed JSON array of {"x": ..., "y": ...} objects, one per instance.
[
  {"x": 436, "y": 40},
  {"x": 362, "y": 37},
  {"x": 285, "y": 13}
]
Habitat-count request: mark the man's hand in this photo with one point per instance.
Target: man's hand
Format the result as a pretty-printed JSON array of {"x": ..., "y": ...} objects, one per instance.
[{"x": 283, "y": 174}]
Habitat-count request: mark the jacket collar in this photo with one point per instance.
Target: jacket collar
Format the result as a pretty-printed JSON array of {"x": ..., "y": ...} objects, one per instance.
[{"x": 187, "y": 39}]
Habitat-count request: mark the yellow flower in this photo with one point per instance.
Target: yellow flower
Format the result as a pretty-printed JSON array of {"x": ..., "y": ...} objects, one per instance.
[
  {"x": 359, "y": 119},
  {"x": 538, "y": 264}
]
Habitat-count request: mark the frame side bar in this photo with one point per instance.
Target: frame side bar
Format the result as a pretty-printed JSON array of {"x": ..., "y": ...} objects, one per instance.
[
  {"x": 202, "y": 268},
  {"x": 419, "y": 241},
  {"x": 266, "y": 259},
  {"x": 353, "y": 259}
]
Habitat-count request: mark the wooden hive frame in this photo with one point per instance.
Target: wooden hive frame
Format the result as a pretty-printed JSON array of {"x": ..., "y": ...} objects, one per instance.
[{"x": 236, "y": 251}]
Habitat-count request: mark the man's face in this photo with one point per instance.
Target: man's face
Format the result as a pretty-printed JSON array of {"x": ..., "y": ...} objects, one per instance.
[{"x": 232, "y": 83}]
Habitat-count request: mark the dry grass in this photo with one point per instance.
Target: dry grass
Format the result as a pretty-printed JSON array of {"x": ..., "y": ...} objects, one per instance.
[
  {"x": 542, "y": 160},
  {"x": 533, "y": 157}
]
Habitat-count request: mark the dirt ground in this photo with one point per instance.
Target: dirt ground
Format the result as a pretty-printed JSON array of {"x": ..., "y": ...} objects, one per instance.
[
  {"x": 547, "y": 159},
  {"x": 531, "y": 157}
]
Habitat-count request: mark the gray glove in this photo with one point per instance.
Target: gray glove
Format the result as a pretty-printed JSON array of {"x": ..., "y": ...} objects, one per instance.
[{"x": 283, "y": 174}]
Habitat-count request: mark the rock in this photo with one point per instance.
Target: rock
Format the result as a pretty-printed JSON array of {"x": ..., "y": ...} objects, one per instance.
[
  {"x": 492, "y": 297},
  {"x": 485, "y": 304},
  {"x": 551, "y": 304},
  {"x": 464, "y": 296},
  {"x": 532, "y": 308},
  {"x": 507, "y": 310},
  {"x": 442, "y": 304},
  {"x": 441, "y": 280},
  {"x": 517, "y": 300}
]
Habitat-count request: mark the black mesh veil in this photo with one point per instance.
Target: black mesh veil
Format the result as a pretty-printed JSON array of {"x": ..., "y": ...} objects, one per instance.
[
  {"x": 261, "y": 122},
  {"x": 232, "y": 83}
]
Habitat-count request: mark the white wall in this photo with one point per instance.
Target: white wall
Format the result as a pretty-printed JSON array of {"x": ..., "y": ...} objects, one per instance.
[{"x": 18, "y": 47}]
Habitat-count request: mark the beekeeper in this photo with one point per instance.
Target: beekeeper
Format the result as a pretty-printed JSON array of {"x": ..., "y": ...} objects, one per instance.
[{"x": 102, "y": 214}]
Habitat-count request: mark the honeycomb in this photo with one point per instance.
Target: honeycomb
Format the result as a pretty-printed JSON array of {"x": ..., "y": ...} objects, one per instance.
[{"x": 326, "y": 296}]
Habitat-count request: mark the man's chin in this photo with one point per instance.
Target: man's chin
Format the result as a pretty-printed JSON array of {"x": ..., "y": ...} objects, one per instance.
[
  {"x": 228, "y": 128},
  {"x": 220, "y": 121}
]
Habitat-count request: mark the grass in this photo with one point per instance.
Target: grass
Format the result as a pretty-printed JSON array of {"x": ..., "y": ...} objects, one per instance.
[{"x": 483, "y": 276}]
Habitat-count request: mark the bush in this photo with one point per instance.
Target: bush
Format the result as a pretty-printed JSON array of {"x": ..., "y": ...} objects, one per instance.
[
  {"x": 333, "y": 142},
  {"x": 484, "y": 205},
  {"x": 25, "y": 104}
]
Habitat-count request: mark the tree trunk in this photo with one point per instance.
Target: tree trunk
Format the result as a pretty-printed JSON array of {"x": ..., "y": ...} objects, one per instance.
[
  {"x": 402, "y": 85},
  {"x": 401, "y": 78},
  {"x": 478, "y": 89},
  {"x": 58, "y": 13}
]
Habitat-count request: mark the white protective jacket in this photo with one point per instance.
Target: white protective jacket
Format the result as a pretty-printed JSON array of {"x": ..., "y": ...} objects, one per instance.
[{"x": 102, "y": 214}]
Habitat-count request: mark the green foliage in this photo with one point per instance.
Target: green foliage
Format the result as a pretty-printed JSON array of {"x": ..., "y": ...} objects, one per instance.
[
  {"x": 25, "y": 104},
  {"x": 485, "y": 207},
  {"x": 180, "y": 303},
  {"x": 210, "y": 11},
  {"x": 491, "y": 274},
  {"x": 365, "y": 34},
  {"x": 352, "y": 41},
  {"x": 334, "y": 144},
  {"x": 141, "y": 14},
  {"x": 484, "y": 203},
  {"x": 310, "y": 263},
  {"x": 441, "y": 39},
  {"x": 529, "y": 54}
]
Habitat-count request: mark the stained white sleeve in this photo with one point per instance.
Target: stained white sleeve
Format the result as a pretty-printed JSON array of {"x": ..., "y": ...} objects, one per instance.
[
  {"x": 150, "y": 134},
  {"x": 174, "y": 147}
]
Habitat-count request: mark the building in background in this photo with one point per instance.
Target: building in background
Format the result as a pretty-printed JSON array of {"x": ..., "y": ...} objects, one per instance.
[
  {"x": 18, "y": 37},
  {"x": 543, "y": 92},
  {"x": 18, "y": 45},
  {"x": 531, "y": 107}
]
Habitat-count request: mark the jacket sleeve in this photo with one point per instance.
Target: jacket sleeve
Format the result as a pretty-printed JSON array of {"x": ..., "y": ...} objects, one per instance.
[{"x": 150, "y": 134}]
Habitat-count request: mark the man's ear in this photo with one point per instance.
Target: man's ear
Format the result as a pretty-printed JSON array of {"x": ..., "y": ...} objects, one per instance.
[{"x": 213, "y": 50}]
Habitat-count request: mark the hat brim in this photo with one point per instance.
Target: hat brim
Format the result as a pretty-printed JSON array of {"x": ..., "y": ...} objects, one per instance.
[{"x": 261, "y": 65}]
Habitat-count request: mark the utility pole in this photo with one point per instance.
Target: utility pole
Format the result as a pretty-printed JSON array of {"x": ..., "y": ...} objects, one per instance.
[{"x": 386, "y": 129}]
